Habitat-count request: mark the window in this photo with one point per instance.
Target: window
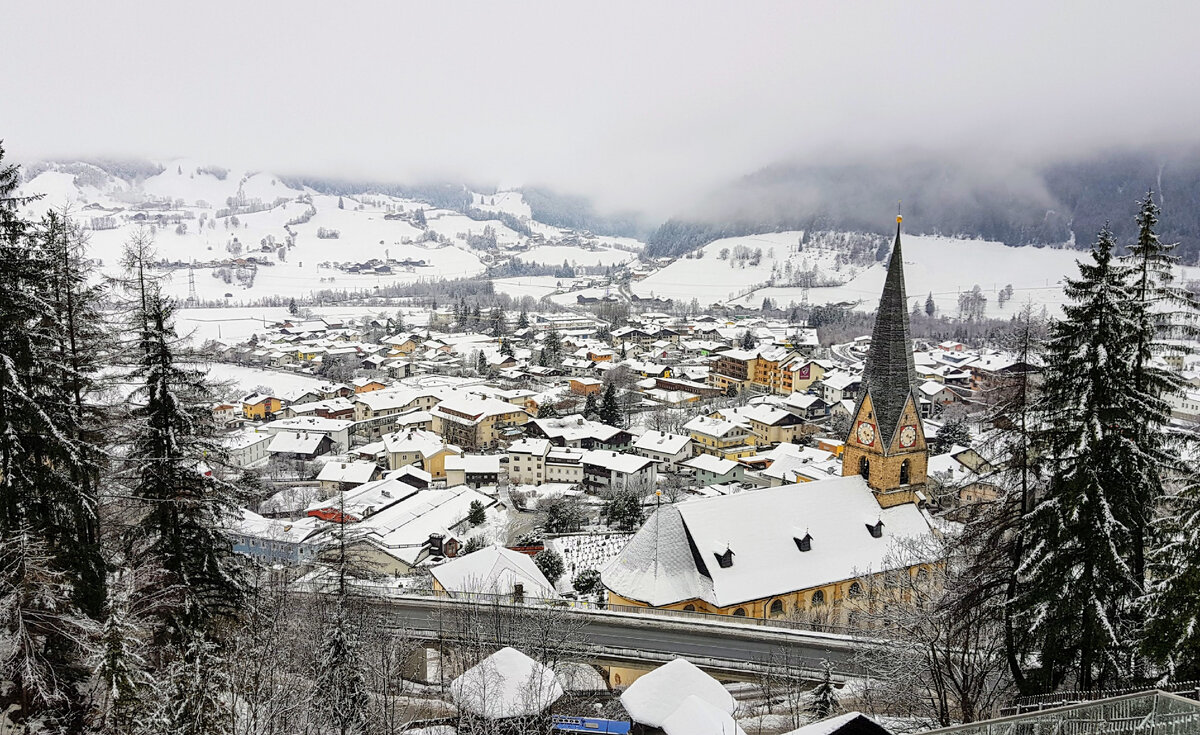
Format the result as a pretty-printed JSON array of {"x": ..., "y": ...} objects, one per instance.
[
  {"x": 804, "y": 544},
  {"x": 876, "y": 529},
  {"x": 855, "y": 590},
  {"x": 864, "y": 467},
  {"x": 904, "y": 472},
  {"x": 776, "y": 608},
  {"x": 818, "y": 597},
  {"x": 740, "y": 612},
  {"x": 689, "y": 607},
  {"x": 725, "y": 560}
]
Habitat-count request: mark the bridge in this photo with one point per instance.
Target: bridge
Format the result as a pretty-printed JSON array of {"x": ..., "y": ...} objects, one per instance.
[{"x": 729, "y": 650}]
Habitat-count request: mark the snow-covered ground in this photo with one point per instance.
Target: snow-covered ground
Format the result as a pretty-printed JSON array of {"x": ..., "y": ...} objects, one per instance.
[
  {"x": 371, "y": 226},
  {"x": 245, "y": 379},
  {"x": 558, "y": 254},
  {"x": 938, "y": 265}
]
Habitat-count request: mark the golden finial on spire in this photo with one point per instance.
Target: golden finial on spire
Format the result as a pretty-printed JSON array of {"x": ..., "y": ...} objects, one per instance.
[{"x": 899, "y": 218}]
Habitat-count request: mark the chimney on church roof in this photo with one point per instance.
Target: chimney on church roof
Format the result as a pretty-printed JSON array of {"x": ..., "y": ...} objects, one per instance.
[{"x": 889, "y": 375}]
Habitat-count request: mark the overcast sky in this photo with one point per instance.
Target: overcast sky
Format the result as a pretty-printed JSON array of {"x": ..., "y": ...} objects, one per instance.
[{"x": 638, "y": 104}]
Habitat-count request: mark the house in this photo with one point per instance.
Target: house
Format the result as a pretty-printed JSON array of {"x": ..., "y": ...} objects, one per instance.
[
  {"x": 719, "y": 438},
  {"x": 301, "y": 445},
  {"x": 807, "y": 406},
  {"x": 338, "y": 430},
  {"x": 358, "y": 503},
  {"x": 342, "y": 476},
  {"x": 851, "y": 723},
  {"x": 768, "y": 424},
  {"x": 424, "y": 525},
  {"x": 839, "y": 385},
  {"x": 276, "y": 541},
  {"x": 410, "y": 474},
  {"x": 474, "y": 470},
  {"x": 537, "y": 461},
  {"x": 423, "y": 448},
  {"x": 734, "y": 368},
  {"x": 669, "y": 450},
  {"x": 575, "y": 431},
  {"x": 367, "y": 385},
  {"x": 245, "y": 448},
  {"x": 586, "y": 386},
  {"x": 258, "y": 406},
  {"x": 710, "y": 470},
  {"x": 606, "y": 470},
  {"x": 492, "y": 571},
  {"x": 475, "y": 422},
  {"x": 225, "y": 413}
]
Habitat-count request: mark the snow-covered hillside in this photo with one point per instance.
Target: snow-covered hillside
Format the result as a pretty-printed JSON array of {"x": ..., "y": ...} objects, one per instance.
[
  {"x": 944, "y": 267},
  {"x": 247, "y": 235}
]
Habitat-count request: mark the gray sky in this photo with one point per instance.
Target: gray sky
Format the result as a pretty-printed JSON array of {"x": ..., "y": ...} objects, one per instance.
[{"x": 637, "y": 104}]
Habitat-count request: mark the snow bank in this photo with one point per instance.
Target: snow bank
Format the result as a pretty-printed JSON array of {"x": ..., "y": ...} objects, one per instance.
[{"x": 697, "y": 717}]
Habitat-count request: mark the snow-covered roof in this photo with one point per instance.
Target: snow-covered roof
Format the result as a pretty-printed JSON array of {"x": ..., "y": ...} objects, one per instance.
[
  {"x": 760, "y": 529},
  {"x": 355, "y": 472},
  {"x": 364, "y": 499},
  {"x": 617, "y": 461},
  {"x": 695, "y": 716},
  {"x": 275, "y": 529},
  {"x": 711, "y": 426},
  {"x": 575, "y": 427},
  {"x": 309, "y": 423},
  {"x": 292, "y": 442},
  {"x": 710, "y": 463},
  {"x": 506, "y": 684},
  {"x": 661, "y": 441},
  {"x": 493, "y": 570},
  {"x": 834, "y": 725},
  {"x": 536, "y": 447},
  {"x": 654, "y": 697},
  {"x": 426, "y": 443},
  {"x": 474, "y": 463},
  {"x": 403, "y": 528}
]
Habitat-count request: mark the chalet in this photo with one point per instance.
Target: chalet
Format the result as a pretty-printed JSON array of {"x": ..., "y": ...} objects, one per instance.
[
  {"x": 424, "y": 449},
  {"x": 710, "y": 470},
  {"x": 586, "y": 386},
  {"x": 719, "y": 438}
]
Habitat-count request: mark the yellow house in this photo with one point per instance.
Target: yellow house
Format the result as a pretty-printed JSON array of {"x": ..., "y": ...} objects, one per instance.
[
  {"x": 260, "y": 406},
  {"x": 720, "y": 438},
  {"x": 415, "y": 446}
]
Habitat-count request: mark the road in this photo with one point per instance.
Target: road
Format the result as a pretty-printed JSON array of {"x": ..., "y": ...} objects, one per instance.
[{"x": 630, "y": 638}]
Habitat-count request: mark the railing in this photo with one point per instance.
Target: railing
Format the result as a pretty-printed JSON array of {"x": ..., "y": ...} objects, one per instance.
[
  {"x": 1035, "y": 702},
  {"x": 385, "y": 591},
  {"x": 1143, "y": 713}
]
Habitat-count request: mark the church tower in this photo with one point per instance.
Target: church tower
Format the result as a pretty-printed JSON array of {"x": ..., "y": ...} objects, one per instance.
[{"x": 887, "y": 441}]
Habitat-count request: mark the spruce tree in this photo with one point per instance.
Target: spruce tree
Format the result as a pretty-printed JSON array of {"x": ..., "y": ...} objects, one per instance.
[
  {"x": 187, "y": 507},
  {"x": 930, "y": 307},
  {"x": 1077, "y": 586},
  {"x": 610, "y": 411},
  {"x": 590, "y": 409},
  {"x": 48, "y": 553},
  {"x": 523, "y": 320},
  {"x": 339, "y": 692},
  {"x": 825, "y": 700}
]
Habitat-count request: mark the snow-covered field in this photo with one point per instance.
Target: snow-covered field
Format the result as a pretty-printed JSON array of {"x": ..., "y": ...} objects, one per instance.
[
  {"x": 189, "y": 193},
  {"x": 941, "y": 266},
  {"x": 244, "y": 380},
  {"x": 558, "y": 254}
]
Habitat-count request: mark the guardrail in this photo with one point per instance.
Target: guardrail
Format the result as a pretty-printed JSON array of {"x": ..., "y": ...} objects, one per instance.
[
  {"x": 692, "y": 616},
  {"x": 1035, "y": 702}
]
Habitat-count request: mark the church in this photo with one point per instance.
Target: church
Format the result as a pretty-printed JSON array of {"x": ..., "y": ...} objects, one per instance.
[{"x": 809, "y": 548}]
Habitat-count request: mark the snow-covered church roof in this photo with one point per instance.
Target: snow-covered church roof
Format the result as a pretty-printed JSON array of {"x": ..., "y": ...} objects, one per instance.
[{"x": 673, "y": 558}]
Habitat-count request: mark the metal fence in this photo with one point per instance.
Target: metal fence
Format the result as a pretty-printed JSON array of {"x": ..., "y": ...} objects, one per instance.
[{"x": 1141, "y": 713}]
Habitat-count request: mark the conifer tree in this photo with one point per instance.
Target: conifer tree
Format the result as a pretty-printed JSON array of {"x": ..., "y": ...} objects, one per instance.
[
  {"x": 339, "y": 692},
  {"x": 930, "y": 307},
  {"x": 590, "y": 409},
  {"x": 610, "y": 411},
  {"x": 825, "y": 700},
  {"x": 1077, "y": 586},
  {"x": 47, "y": 547},
  {"x": 187, "y": 508},
  {"x": 523, "y": 320}
]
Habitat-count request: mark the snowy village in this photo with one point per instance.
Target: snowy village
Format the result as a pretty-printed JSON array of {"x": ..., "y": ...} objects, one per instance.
[{"x": 502, "y": 388}]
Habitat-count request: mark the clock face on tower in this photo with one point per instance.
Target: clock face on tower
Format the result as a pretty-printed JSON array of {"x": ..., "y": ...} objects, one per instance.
[
  {"x": 866, "y": 433},
  {"x": 908, "y": 436}
]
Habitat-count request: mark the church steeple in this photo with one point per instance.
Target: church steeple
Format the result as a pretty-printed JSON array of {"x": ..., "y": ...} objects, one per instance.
[
  {"x": 886, "y": 444},
  {"x": 889, "y": 375}
]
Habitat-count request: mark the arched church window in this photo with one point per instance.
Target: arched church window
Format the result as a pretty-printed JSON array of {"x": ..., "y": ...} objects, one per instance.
[
  {"x": 818, "y": 597},
  {"x": 777, "y": 608},
  {"x": 740, "y": 612},
  {"x": 864, "y": 467},
  {"x": 855, "y": 590},
  {"x": 904, "y": 472}
]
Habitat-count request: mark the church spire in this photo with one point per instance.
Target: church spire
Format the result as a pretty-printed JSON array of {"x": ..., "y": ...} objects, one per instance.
[{"x": 889, "y": 375}]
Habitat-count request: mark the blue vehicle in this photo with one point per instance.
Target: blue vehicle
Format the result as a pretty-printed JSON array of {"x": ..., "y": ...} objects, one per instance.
[{"x": 589, "y": 724}]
